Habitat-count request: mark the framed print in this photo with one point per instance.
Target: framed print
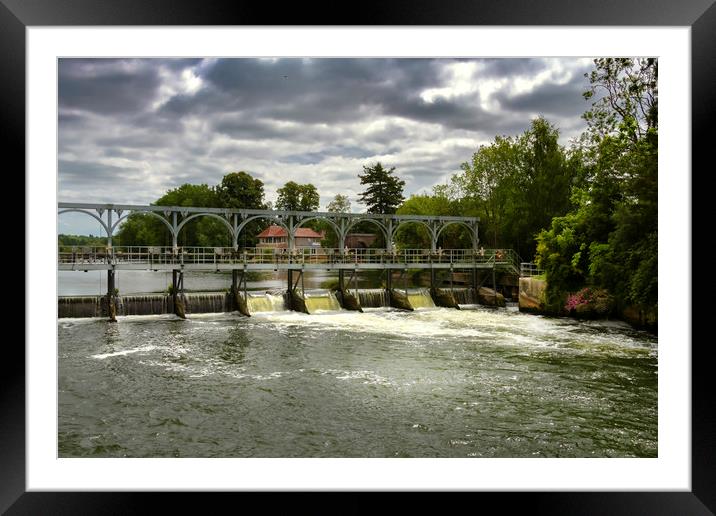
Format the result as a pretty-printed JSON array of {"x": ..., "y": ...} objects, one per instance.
[{"x": 173, "y": 128}]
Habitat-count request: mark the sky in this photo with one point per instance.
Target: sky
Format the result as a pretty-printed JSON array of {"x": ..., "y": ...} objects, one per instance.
[{"x": 131, "y": 129}]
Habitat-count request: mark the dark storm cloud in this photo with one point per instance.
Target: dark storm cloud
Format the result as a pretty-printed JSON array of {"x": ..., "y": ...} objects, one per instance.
[
  {"x": 505, "y": 67},
  {"x": 110, "y": 87},
  {"x": 307, "y": 91},
  {"x": 549, "y": 99},
  {"x": 78, "y": 173},
  {"x": 132, "y": 128},
  {"x": 317, "y": 157}
]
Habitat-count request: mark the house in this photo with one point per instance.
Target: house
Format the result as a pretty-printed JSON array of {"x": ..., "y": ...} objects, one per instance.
[{"x": 276, "y": 237}]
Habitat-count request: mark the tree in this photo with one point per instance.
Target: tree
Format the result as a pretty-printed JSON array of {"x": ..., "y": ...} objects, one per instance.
[
  {"x": 340, "y": 204},
  {"x": 516, "y": 186},
  {"x": 610, "y": 239},
  {"x": 202, "y": 231},
  {"x": 295, "y": 197},
  {"x": 236, "y": 190},
  {"x": 626, "y": 97},
  {"x": 384, "y": 192},
  {"x": 239, "y": 190}
]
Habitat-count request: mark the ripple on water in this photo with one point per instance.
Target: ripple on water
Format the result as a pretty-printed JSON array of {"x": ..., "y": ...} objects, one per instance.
[{"x": 434, "y": 382}]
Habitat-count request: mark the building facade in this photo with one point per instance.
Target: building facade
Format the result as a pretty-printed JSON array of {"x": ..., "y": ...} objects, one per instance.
[{"x": 276, "y": 237}]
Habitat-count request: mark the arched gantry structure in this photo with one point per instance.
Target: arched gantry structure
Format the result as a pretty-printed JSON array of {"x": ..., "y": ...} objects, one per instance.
[{"x": 176, "y": 217}]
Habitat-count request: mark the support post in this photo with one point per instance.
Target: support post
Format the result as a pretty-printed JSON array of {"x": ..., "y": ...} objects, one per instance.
[
  {"x": 234, "y": 286},
  {"x": 239, "y": 303},
  {"x": 111, "y": 307},
  {"x": 177, "y": 290},
  {"x": 243, "y": 277},
  {"x": 474, "y": 284},
  {"x": 175, "y": 244},
  {"x": 109, "y": 231},
  {"x": 341, "y": 279},
  {"x": 494, "y": 284}
]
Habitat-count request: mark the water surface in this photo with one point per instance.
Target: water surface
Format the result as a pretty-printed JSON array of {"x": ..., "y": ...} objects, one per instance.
[{"x": 431, "y": 383}]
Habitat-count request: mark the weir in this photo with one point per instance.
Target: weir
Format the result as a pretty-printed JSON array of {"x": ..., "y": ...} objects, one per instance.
[
  {"x": 295, "y": 261},
  {"x": 374, "y": 297},
  {"x": 266, "y": 302},
  {"x": 311, "y": 301},
  {"x": 321, "y": 300},
  {"x": 420, "y": 298}
]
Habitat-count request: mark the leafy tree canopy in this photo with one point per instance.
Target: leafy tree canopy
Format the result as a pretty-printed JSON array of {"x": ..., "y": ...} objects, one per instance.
[
  {"x": 340, "y": 204},
  {"x": 240, "y": 190},
  {"x": 295, "y": 197}
]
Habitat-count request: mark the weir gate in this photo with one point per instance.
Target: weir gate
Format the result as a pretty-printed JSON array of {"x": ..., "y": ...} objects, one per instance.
[{"x": 294, "y": 260}]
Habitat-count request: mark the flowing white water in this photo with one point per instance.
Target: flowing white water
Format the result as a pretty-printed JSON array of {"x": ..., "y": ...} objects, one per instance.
[
  {"x": 318, "y": 301},
  {"x": 265, "y": 302},
  {"x": 384, "y": 383},
  {"x": 420, "y": 298}
]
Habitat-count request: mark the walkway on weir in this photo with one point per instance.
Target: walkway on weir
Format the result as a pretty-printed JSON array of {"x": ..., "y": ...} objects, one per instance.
[
  {"x": 265, "y": 259},
  {"x": 292, "y": 259},
  {"x": 175, "y": 257}
]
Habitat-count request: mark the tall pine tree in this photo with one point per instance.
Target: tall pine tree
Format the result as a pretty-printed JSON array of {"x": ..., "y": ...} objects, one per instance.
[{"x": 385, "y": 191}]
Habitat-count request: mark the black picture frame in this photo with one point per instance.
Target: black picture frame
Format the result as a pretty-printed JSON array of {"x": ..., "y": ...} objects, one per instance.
[{"x": 700, "y": 15}]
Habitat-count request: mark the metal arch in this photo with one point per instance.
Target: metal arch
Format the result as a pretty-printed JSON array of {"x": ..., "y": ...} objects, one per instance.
[
  {"x": 243, "y": 224},
  {"x": 213, "y": 215},
  {"x": 358, "y": 220},
  {"x": 319, "y": 217},
  {"x": 166, "y": 222},
  {"x": 78, "y": 210},
  {"x": 431, "y": 230},
  {"x": 473, "y": 230}
]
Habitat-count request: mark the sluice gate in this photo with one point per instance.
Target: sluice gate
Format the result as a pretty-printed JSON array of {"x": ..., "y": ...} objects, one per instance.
[{"x": 463, "y": 284}]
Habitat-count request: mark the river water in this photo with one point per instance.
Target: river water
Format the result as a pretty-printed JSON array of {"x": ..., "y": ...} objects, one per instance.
[
  {"x": 435, "y": 382},
  {"x": 94, "y": 283}
]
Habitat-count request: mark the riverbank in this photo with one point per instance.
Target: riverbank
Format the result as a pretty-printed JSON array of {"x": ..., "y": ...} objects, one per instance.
[{"x": 584, "y": 305}]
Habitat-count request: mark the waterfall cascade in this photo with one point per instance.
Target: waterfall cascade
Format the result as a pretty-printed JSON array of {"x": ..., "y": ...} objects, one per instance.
[
  {"x": 273, "y": 301},
  {"x": 148, "y": 304},
  {"x": 257, "y": 302},
  {"x": 373, "y": 297},
  {"x": 323, "y": 300},
  {"x": 464, "y": 296},
  {"x": 211, "y": 302},
  {"x": 79, "y": 306},
  {"x": 420, "y": 298}
]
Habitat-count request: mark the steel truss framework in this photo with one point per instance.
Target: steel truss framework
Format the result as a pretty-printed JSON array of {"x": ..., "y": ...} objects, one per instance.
[{"x": 176, "y": 217}]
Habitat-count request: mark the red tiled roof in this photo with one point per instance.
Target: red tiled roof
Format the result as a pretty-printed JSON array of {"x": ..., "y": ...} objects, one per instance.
[{"x": 278, "y": 231}]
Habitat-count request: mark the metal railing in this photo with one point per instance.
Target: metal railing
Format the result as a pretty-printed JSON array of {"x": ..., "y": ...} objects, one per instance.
[
  {"x": 166, "y": 255},
  {"x": 530, "y": 269}
]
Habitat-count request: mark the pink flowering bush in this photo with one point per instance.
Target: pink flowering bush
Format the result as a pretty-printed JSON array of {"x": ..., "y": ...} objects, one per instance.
[{"x": 589, "y": 302}]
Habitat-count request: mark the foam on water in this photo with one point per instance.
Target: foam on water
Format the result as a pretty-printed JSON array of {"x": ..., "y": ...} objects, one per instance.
[{"x": 124, "y": 352}]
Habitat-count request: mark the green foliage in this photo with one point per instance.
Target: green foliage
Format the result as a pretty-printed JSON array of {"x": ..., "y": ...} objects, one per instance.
[
  {"x": 239, "y": 190},
  {"x": 416, "y": 236},
  {"x": 81, "y": 240},
  {"x": 236, "y": 190},
  {"x": 384, "y": 192},
  {"x": 517, "y": 185},
  {"x": 295, "y": 197},
  {"x": 339, "y": 204},
  {"x": 610, "y": 239}
]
